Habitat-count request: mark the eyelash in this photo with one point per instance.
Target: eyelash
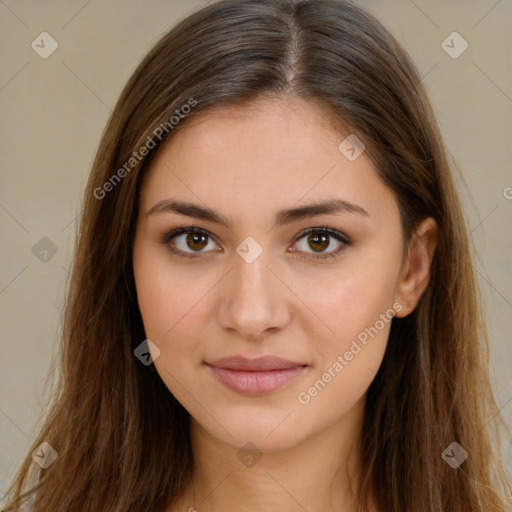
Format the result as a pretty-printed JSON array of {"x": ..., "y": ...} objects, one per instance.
[{"x": 167, "y": 238}]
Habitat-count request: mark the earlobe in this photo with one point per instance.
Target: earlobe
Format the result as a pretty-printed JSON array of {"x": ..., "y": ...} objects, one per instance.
[{"x": 416, "y": 269}]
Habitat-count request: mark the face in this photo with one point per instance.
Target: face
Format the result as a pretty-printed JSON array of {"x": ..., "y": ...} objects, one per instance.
[{"x": 271, "y": 318}]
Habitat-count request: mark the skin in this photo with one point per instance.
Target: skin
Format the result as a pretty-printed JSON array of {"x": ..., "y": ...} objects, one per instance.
[{"x": 247, "y": 164}]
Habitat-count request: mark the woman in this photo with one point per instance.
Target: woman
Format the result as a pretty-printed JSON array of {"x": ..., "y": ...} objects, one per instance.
[{"x": 273, "y": 305}]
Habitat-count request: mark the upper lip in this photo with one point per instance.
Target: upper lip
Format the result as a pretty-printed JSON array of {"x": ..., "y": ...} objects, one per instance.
[{"x": 263, "y": 363}]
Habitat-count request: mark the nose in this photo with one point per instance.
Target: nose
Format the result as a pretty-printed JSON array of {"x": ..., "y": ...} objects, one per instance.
[{"x": 254, "y": 302}]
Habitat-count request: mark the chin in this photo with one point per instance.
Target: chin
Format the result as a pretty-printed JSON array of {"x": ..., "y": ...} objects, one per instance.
[{"x": 269, "y": 434}]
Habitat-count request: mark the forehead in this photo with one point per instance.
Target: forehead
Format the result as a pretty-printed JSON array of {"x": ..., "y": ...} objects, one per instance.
[{"x": 265, "y": 157}]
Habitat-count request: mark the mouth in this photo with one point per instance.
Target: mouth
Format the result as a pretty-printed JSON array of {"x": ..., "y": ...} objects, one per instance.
[{"x": 254, "y": 377}]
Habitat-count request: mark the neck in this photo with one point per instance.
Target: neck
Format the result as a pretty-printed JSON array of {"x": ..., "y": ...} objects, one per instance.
[{"x": 319, "y": 473}]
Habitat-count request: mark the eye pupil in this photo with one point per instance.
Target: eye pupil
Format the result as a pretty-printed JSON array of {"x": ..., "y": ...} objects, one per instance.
[
  {"x": 193, "y": 238},
  {"x": 319, "y": 238}
]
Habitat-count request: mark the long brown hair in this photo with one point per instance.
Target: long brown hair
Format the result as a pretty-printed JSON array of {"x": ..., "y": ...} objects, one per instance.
[{"x": 121, "y": 437}]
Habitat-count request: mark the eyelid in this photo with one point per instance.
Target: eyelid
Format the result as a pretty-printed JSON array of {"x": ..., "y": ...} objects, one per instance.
[
  {"x": 334, "y": 233},
  {"x": 340, "y": 236},
  {"x": 167, "y": 238}
]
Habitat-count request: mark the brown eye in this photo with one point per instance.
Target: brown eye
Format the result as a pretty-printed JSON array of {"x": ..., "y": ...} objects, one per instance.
[
  {"x": 193, "y": 242},
  {"x": 196, "y": 242},
  {"x": 318, "y": 241},
  {"x": 321, "y": 242},
  {"x": 189, "y": 242}
]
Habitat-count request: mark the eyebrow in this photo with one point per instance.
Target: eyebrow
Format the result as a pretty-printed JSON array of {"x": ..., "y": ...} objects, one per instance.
[{"x": 330, "y": 206}]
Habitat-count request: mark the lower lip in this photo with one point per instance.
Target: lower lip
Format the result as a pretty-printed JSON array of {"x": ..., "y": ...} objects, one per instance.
[{"x": 256, "y": 383}]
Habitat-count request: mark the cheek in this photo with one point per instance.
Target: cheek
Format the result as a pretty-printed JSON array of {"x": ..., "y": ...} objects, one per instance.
[
  {"x": 352, "y": 298},
  {"x": 359, "y": 312},
  {"x": 172, "y": 301},
  {"x": 167, "y": 295},
  {"x": 357, "y": 307}
]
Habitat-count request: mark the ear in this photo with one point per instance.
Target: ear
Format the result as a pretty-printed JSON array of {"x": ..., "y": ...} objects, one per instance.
[{"x": 416, "y": 267}]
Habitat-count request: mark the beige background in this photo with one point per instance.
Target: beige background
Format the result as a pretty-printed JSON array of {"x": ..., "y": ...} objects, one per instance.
[{"x": 54, "y": 109}]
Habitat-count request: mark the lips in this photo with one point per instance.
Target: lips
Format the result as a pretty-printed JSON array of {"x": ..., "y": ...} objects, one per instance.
[
  {"x": 263, "y": 363},
  {"x": 253, "y": 377}
]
